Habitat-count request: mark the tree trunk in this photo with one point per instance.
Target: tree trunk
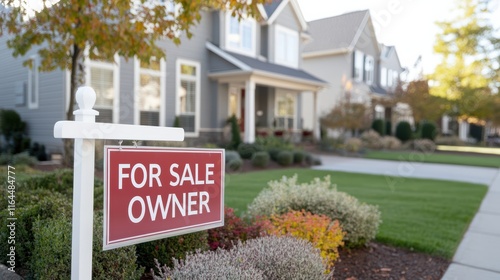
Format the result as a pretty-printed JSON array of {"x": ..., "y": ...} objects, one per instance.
[{"x": 68, "y": 143}]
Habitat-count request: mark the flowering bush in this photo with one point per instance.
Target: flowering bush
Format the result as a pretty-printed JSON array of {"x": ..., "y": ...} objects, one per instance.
[
  {"x": 234, "y": 230},
  {"x": 318, "y": 229},
  {"x": 269, "y": 257},
  {"x": 391, "y": 143},
  {"x": 371, "y": 139},
  {"x": 360, "y": 221},
  {"x": 353, "y": 145}
]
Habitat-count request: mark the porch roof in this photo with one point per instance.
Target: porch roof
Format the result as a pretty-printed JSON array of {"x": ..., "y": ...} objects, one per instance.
[{"x": 263, "y": 72}]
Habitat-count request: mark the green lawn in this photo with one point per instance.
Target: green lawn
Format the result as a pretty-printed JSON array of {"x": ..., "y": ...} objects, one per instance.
[
  {"x": 466, "y": 159},
  {"x": 426, "y": 215}
]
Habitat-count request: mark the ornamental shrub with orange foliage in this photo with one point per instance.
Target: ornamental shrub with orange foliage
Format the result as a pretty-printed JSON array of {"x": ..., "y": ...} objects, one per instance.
[{"x": 324, "y": 234}]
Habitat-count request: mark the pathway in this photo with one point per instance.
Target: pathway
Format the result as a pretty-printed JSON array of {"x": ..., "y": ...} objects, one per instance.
[{"x": 478, "y": 255}]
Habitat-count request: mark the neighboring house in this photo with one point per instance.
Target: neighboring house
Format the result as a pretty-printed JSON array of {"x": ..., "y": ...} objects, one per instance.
[
  {"x": 345, "y": 52},
  {"x": 248, "y": 68}
]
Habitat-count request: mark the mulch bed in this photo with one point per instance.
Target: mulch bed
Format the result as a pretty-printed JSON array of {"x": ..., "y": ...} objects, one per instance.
[{"x": 379, "y": 261}]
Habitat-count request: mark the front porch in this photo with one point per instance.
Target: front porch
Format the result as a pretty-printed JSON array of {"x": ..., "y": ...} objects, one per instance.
[{"x": 265, "y": 97}]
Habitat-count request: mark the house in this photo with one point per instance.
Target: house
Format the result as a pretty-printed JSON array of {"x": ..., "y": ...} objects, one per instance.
[
  {"x": 345, "y": 52},
  {"x": 249, "y": 68}
]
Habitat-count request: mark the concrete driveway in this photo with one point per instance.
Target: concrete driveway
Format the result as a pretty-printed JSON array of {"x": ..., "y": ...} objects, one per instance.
[{"x": 478, "y": 255}]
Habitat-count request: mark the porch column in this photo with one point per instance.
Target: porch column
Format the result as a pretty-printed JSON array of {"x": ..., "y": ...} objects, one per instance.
[
  {"x": 249, "y": 136},
  {"x": 316, "y": 129}
]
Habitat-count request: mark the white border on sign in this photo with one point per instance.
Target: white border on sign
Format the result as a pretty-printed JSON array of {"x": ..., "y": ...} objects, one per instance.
[{"x": 165, "y": 233}]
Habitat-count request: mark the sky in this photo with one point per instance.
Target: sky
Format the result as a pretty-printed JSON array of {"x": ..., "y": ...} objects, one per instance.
[{"x": 407, "y": 24}]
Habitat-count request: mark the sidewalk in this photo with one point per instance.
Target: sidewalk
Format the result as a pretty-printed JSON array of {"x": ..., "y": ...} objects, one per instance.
[{"x": 478, "y": 255}]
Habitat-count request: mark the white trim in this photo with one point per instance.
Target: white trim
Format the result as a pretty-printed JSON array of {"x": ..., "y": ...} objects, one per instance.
[
  {"x": 240, "y": 50},
  {"x": 296, "y": 8},
  {"x": 137, "y": 82},
  {"x": 262, "y": 11},
  {"x": 33, "y": 71},
  {"x": 197, "y": 114},
  {"x": 287, "y": 31},
  {"x": 325, "y": 53},
  {"x": 227, "y": 57},
  {"x": 115, "y": 67}
]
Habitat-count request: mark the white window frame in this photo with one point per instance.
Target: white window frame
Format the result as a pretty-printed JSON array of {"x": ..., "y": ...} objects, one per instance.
[
  {"x": 245, "y": 20},
  {"x": 358, "y": 66},
  {"x": 395, "y": 77},
  {"x": 197, "y": 79},
  {"x": 295, "y": 36},
  {"x": 281, "y": 92},
  {"x": 138, "y": 70},
  {"x": 383, "y": 76},
  {"x": 115, "y": 67},
  {"x": 33, "y": 83},
  {"x": 369, "y": 69}
]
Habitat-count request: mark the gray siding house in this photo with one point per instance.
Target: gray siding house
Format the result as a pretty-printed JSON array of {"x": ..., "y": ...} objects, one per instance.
[
  {"x": 345, "y": 52},
  {"x": 250, "y": 68}
]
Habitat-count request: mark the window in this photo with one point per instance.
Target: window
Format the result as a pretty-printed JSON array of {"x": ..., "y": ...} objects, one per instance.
[
  {"x": 151, "y": 89},
  {"x": 285, "y": 110},
  {"x": 33, "y": 83},
  {"x": 102, "y": 77},
  {"x": 358, "y": 66},
  {"x": 369, "y": 67},
  {"x": 395, "y": 77},
  {"x": 240, "y": 35},
  {"x": 383, "y": 76},
  {"x": 287, "y": 47},
  {"x": 234, "y": 103},
  {"x": 188, "y": 95}
]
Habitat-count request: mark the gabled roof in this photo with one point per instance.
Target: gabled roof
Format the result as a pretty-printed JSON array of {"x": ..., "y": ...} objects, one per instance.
[
  {"x": 275, "y": 7},
  {"x": 387, "y": 51},
  {"x": 250, "y": 64},
  {"x": 337, "y": 33}
]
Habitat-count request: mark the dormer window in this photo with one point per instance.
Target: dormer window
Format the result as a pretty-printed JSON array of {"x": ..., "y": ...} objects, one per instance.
[
  {"x": 240, "y": 35},
  {"x": 286, "y": 51}
]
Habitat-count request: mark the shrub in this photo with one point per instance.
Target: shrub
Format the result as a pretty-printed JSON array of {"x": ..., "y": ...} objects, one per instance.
[
  {"x": 24, "y": 159},
  {"x": 274, "y": 152},
  {"x": 318, "y": 229},
  {"x": 298, "y": 157},
  {"x": 273, "y": 142},
  {"x": 52, "y": 247},
  {"x": 235, "y": 229},
  {"x": 378, "y": 126},
  {"x": 353, "y": 145},
  {"x": 50, "y": 206},
  {"x": 164, "y": 250},
  {"x": 312, "y": 160},
  {"x": 260, "y": 159},
  {"x": 424, "y": 145},
  {"x": 403, "y": 131},
  {"x": 360, "y": 221},
  {"x": 268, "y": 257},
  {"x": 429, "y": 131},
  {"x": 371, "y": 139},
  {"x": 235, "y": 164},
  {"x": 285, "y": 158},
  {"x": 233, "y": 161},
  {"x": 60, "y": 181},
  {"x": 235, "y": 133},
  {"x": 12, "y": 127},
  {"x": 391, "y": 143},
  {"x": 38, "y": 151},
  {"x": 246, "y": 150}
]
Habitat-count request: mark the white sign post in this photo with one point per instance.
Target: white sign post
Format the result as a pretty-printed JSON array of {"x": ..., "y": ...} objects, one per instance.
[{"x": 85, "y": 130}]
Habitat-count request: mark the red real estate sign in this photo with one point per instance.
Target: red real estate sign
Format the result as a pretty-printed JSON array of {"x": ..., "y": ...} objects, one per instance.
[{"x": 152, "y": 193}]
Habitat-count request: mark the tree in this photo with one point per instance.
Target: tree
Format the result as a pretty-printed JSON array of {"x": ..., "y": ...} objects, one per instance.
[
  {"x": 347, "y": 115},
  {"x": 469, "y": 71},
  {"x": 67, "y": 29},
  {"x": 424, "y": 106}
]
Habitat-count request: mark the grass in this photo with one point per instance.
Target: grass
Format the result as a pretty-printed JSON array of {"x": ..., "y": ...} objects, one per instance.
[
  {"x": 430, "y": 216},
  {"x": 415, "y": 156}
]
